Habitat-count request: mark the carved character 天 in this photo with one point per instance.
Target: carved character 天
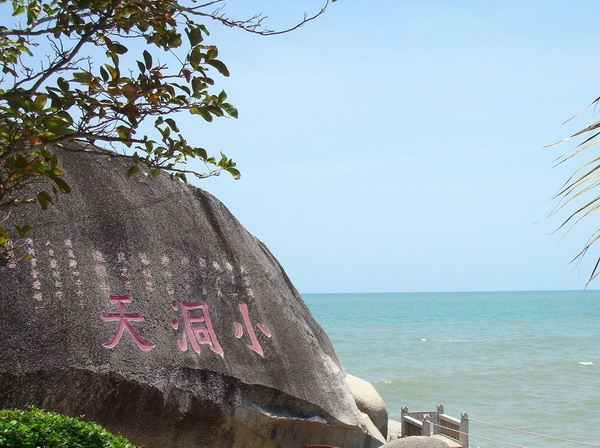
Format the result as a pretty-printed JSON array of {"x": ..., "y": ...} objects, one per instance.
[{"x": 124, "y": 322}]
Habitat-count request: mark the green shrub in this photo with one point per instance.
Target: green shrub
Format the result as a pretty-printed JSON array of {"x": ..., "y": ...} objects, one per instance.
[{"x": 35, "y": 428}]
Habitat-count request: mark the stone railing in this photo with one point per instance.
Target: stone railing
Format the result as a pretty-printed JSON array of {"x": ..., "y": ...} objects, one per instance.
[{"x": 436, "y": 422}]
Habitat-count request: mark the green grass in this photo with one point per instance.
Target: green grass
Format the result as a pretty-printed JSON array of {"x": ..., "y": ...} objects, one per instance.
[{"x": 36, "y": 428}]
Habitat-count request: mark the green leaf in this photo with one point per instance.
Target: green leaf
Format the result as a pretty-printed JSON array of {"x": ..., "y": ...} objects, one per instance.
[
  {"x": 63, "y": 84},
  {"x": 199, "y": 110},
  {"x": 124, "y": 131},
  {"x": 198, "y": 86},
  {"x": 114, "y": 57},
  {"x": 234, "y": 172},
  {"x": 147, "y": 59},
  {"x": 222, "y": 69},
  {"x": 200, "y": 152},
  {"x": 18, "y": 9},
  {"x": 117, "y": 47},
  {"x": 40, "y": 102},
  {"x": 230, "y": 109},
  {"x": 44, "y": 199},
  {"x": 62, "y": 185},
  {"x": 195, "y": 56},
  {"x": 154, "y": 173},
  {"x": 114, "y": 73},
  {"x": 172, "y": 124},
  {"x": 204, "y": 29},
  {"x": 83, "y": 77},
  {"x": 212, "y": 52},
  {"x": 175, "y": 40},
  {"x": 23, "y": 230},
  {"x": 185, "y": 89},
  {"x": 133, "y": 169},
  {"x": 104, "y": 74},
  {"x": 195, "y": 36}
]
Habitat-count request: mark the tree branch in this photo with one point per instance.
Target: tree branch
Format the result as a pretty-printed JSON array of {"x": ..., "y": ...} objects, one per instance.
[
  {"x": 26, "y": 32},
  {"x": 68, "y": 58},
  {"x": 138, "y": 159},
  {"x": 253, "y": 24},
  {"x": 93, "y": 137},
  {"x": 16, "y": 202}
]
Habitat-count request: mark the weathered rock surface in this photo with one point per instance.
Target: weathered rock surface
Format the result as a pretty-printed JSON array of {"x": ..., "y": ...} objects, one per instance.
[
  {"x": 416, "y": 442},
  {"x": 369, "y": 401},
  {"x": 148, "y": 308}
]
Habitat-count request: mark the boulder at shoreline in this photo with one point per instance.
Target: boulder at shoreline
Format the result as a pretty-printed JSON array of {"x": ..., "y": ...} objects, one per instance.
[
  {"x": 147, "y": 307},
  {"x": 369, "y": 401}
]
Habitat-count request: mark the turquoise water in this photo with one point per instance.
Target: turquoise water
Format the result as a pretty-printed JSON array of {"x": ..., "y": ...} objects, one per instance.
[{"x": 526, "y": 360}]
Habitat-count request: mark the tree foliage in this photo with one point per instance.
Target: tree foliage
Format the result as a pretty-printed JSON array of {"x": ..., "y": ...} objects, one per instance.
[{"x": 88, "y": 70}]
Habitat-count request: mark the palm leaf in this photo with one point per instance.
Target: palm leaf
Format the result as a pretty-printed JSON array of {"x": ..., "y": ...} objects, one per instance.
[{"x": 581, "y": 183}]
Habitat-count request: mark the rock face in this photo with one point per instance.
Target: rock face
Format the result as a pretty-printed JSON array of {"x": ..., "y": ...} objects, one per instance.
[
  {"x": 147, "y": 307},
  {"x": 369, "y": 401}
]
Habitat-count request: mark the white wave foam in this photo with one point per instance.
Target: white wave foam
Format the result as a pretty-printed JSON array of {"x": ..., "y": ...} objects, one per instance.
[
  {"x": 423, "y": 339},
  {"x": 585, "y": 363}
]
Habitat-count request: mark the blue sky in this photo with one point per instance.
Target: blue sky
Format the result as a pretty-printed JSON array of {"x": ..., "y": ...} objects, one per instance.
[{"x": 398, "y": 145}]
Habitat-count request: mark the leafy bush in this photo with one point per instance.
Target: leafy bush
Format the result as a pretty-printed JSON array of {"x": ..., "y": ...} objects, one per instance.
[{"x": 35, "y": 428}]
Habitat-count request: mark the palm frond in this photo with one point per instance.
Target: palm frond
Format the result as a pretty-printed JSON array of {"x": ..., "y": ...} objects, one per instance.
[{"x": 581, "y": 183}]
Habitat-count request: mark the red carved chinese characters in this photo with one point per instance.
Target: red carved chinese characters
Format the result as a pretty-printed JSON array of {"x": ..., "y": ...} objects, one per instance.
[
  {"x": 124, "y": 323},
  {"x": 197, "y": 334},
  {"x": 212, "y": 278},
  {"x": 239, "y": 330}
]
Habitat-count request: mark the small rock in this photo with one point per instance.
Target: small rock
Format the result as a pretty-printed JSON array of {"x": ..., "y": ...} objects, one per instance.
[
  {"x": 394, "y": 430},
  {"x": 416, "y": 442}
]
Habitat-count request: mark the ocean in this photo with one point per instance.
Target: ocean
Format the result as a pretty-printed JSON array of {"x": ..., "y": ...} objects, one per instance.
[{"x": 523, "y": 360}]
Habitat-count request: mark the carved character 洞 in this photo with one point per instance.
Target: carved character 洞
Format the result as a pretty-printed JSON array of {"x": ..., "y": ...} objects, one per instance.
[{"x": 196, "y": 334}]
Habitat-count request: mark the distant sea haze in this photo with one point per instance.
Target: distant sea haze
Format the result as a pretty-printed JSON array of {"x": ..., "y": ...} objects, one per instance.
[{"x": 524, "y": 360}]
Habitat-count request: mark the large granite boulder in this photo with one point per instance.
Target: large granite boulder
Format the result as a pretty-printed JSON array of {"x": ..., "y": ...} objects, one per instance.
[
  {"x": 369, "y": 401},
  {"x": 146, "y": 306}
]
